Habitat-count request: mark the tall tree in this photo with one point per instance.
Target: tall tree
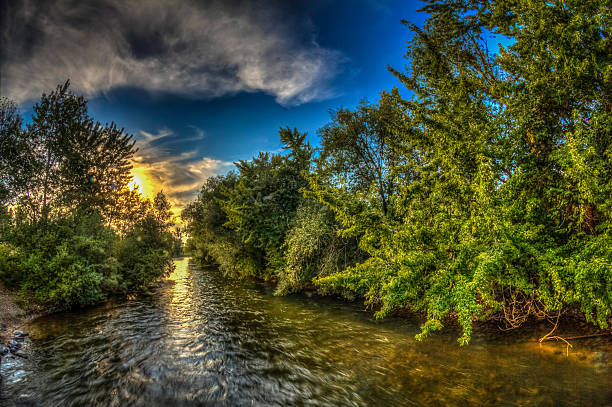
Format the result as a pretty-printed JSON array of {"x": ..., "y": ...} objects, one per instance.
[
  {"x": 78, "y": 163},
  {"x": 356, "y": 151},
  {"x": 504, "y": 188},
  {"x": 261, "y": 207},
  {"x": 162, "y": 211},
  {"x": 13, "y": 163}
]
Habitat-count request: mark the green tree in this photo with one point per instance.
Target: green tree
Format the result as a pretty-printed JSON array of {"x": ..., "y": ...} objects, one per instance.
[
  {"x": 240, "y": 221},
  {"x": 162, "y": 211},
  {"x": 205, "y": 221},
  {"x": 11, "y": 151},
  {"x": 356, "y": 151},
  {"x": 76, "y": 162},
  {"x": 75, "y": 232},
  {"x": 501, "y": 200},
  {"x": 485, "y": 194},
  {"x": 262, "y": 205}
]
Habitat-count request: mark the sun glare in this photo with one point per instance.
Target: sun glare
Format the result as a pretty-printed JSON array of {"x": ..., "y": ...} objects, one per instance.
[
  {"x": 145, "y": 185},
  {"x": 140, "y": 182},
  {"x": 136, "y": 185}
]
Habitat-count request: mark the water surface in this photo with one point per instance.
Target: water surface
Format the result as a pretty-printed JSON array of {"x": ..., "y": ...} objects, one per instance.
[{"x": 203, "y": 339}]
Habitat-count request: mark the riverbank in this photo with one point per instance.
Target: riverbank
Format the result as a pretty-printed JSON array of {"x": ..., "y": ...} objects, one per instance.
[
  {"x": 572, "y": 329},
  {"x": 12, "y": 315}
]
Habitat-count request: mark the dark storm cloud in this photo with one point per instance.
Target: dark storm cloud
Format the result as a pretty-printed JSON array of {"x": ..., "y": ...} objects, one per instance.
[{"x": 195, "y": 49}]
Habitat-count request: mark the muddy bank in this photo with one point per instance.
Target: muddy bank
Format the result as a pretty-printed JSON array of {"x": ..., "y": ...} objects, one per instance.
[{"x": 12, "y": 315}]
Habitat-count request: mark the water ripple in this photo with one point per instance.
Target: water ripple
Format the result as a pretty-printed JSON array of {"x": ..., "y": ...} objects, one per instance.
[{"x": 206, "y": 340}]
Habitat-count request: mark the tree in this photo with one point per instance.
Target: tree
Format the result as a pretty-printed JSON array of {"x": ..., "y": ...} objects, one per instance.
[
  {"x": 129, "y": 208},
  {"x": 76, "y": 162},
  {"x": 263, "y": 204},
  {"x": 162, "y": 211},
  {"x": 74, "y": 231},
  {"x": 487, "y": 194},
  {"x": 502, "y": 197},
  {"x": 240, "y": 221},
  {"x": 210, "y": 240},
  {"x": 356, "y": 151},
  {"x": 12, "y": 154}
]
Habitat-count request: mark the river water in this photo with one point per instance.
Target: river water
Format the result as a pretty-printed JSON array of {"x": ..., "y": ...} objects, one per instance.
[{"x": 203, "y": 339}]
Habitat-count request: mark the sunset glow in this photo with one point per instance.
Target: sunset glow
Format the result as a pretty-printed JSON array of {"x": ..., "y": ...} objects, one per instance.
[
  {"x": 142, "y": 183},
  {"x": 146, "y": 184}
]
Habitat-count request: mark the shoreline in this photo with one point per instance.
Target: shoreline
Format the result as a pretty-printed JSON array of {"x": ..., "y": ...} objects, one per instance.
[
  {"x": 13, "y": 316},
  {"x": 572, "y": 327}
]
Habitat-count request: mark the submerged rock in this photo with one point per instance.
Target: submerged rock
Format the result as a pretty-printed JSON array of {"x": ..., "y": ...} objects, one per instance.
[
  {"x": 14, "y": 345},
  {"x": 600, "y": 358},
  {"x": 20, "y": 334},
  {"x": 3, "y": 350},
  {"x": 19, "y": 354}
]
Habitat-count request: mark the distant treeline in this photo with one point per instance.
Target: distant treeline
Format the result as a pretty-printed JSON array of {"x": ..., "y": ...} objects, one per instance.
[
  {"x": 71, "y": 231},
  {"x": 486, "y": 194}
]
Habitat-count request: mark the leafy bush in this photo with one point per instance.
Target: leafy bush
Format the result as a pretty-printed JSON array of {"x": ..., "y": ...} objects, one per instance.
[{"x": 314, "y": 249}]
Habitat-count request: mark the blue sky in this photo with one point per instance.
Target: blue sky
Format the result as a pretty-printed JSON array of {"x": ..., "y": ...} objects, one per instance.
[{"x": 203, "y": 84}]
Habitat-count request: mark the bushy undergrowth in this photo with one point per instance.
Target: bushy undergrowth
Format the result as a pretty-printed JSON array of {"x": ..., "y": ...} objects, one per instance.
[{"x": 78, "y": 261}]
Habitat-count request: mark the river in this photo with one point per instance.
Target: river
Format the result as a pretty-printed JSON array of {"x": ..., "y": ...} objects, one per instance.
[{"x": 203, "y": 339}]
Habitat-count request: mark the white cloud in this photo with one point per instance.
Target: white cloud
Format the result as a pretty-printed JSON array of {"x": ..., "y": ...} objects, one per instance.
[{"x": 194, "y": 49}]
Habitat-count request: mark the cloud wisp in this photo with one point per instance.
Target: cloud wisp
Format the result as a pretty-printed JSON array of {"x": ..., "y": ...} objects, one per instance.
[
  {"x": 180, "y": 176},
  {"x": 195, "y": 49}
]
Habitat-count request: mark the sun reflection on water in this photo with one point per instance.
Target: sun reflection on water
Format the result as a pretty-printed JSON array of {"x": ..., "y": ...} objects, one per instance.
[{"x": 180, "y": 292}]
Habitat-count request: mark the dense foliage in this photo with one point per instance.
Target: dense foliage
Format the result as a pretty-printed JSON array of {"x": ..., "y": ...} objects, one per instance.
[
  {"x": 71, "y": 231},
  {"x": 485, "y": 194},
  {"x": 258, "y": 222}
]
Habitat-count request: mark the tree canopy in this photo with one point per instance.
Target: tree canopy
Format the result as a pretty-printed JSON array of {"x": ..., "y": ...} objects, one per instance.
[
  {"x": 481, "y": 190},
  {"x": 71, "y": 231}
]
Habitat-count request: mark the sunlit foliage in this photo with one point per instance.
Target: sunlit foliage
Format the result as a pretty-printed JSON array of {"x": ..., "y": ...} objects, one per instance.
[
  {"x": 483, "y": 190},
  {"x": 502, "y": 198}
]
